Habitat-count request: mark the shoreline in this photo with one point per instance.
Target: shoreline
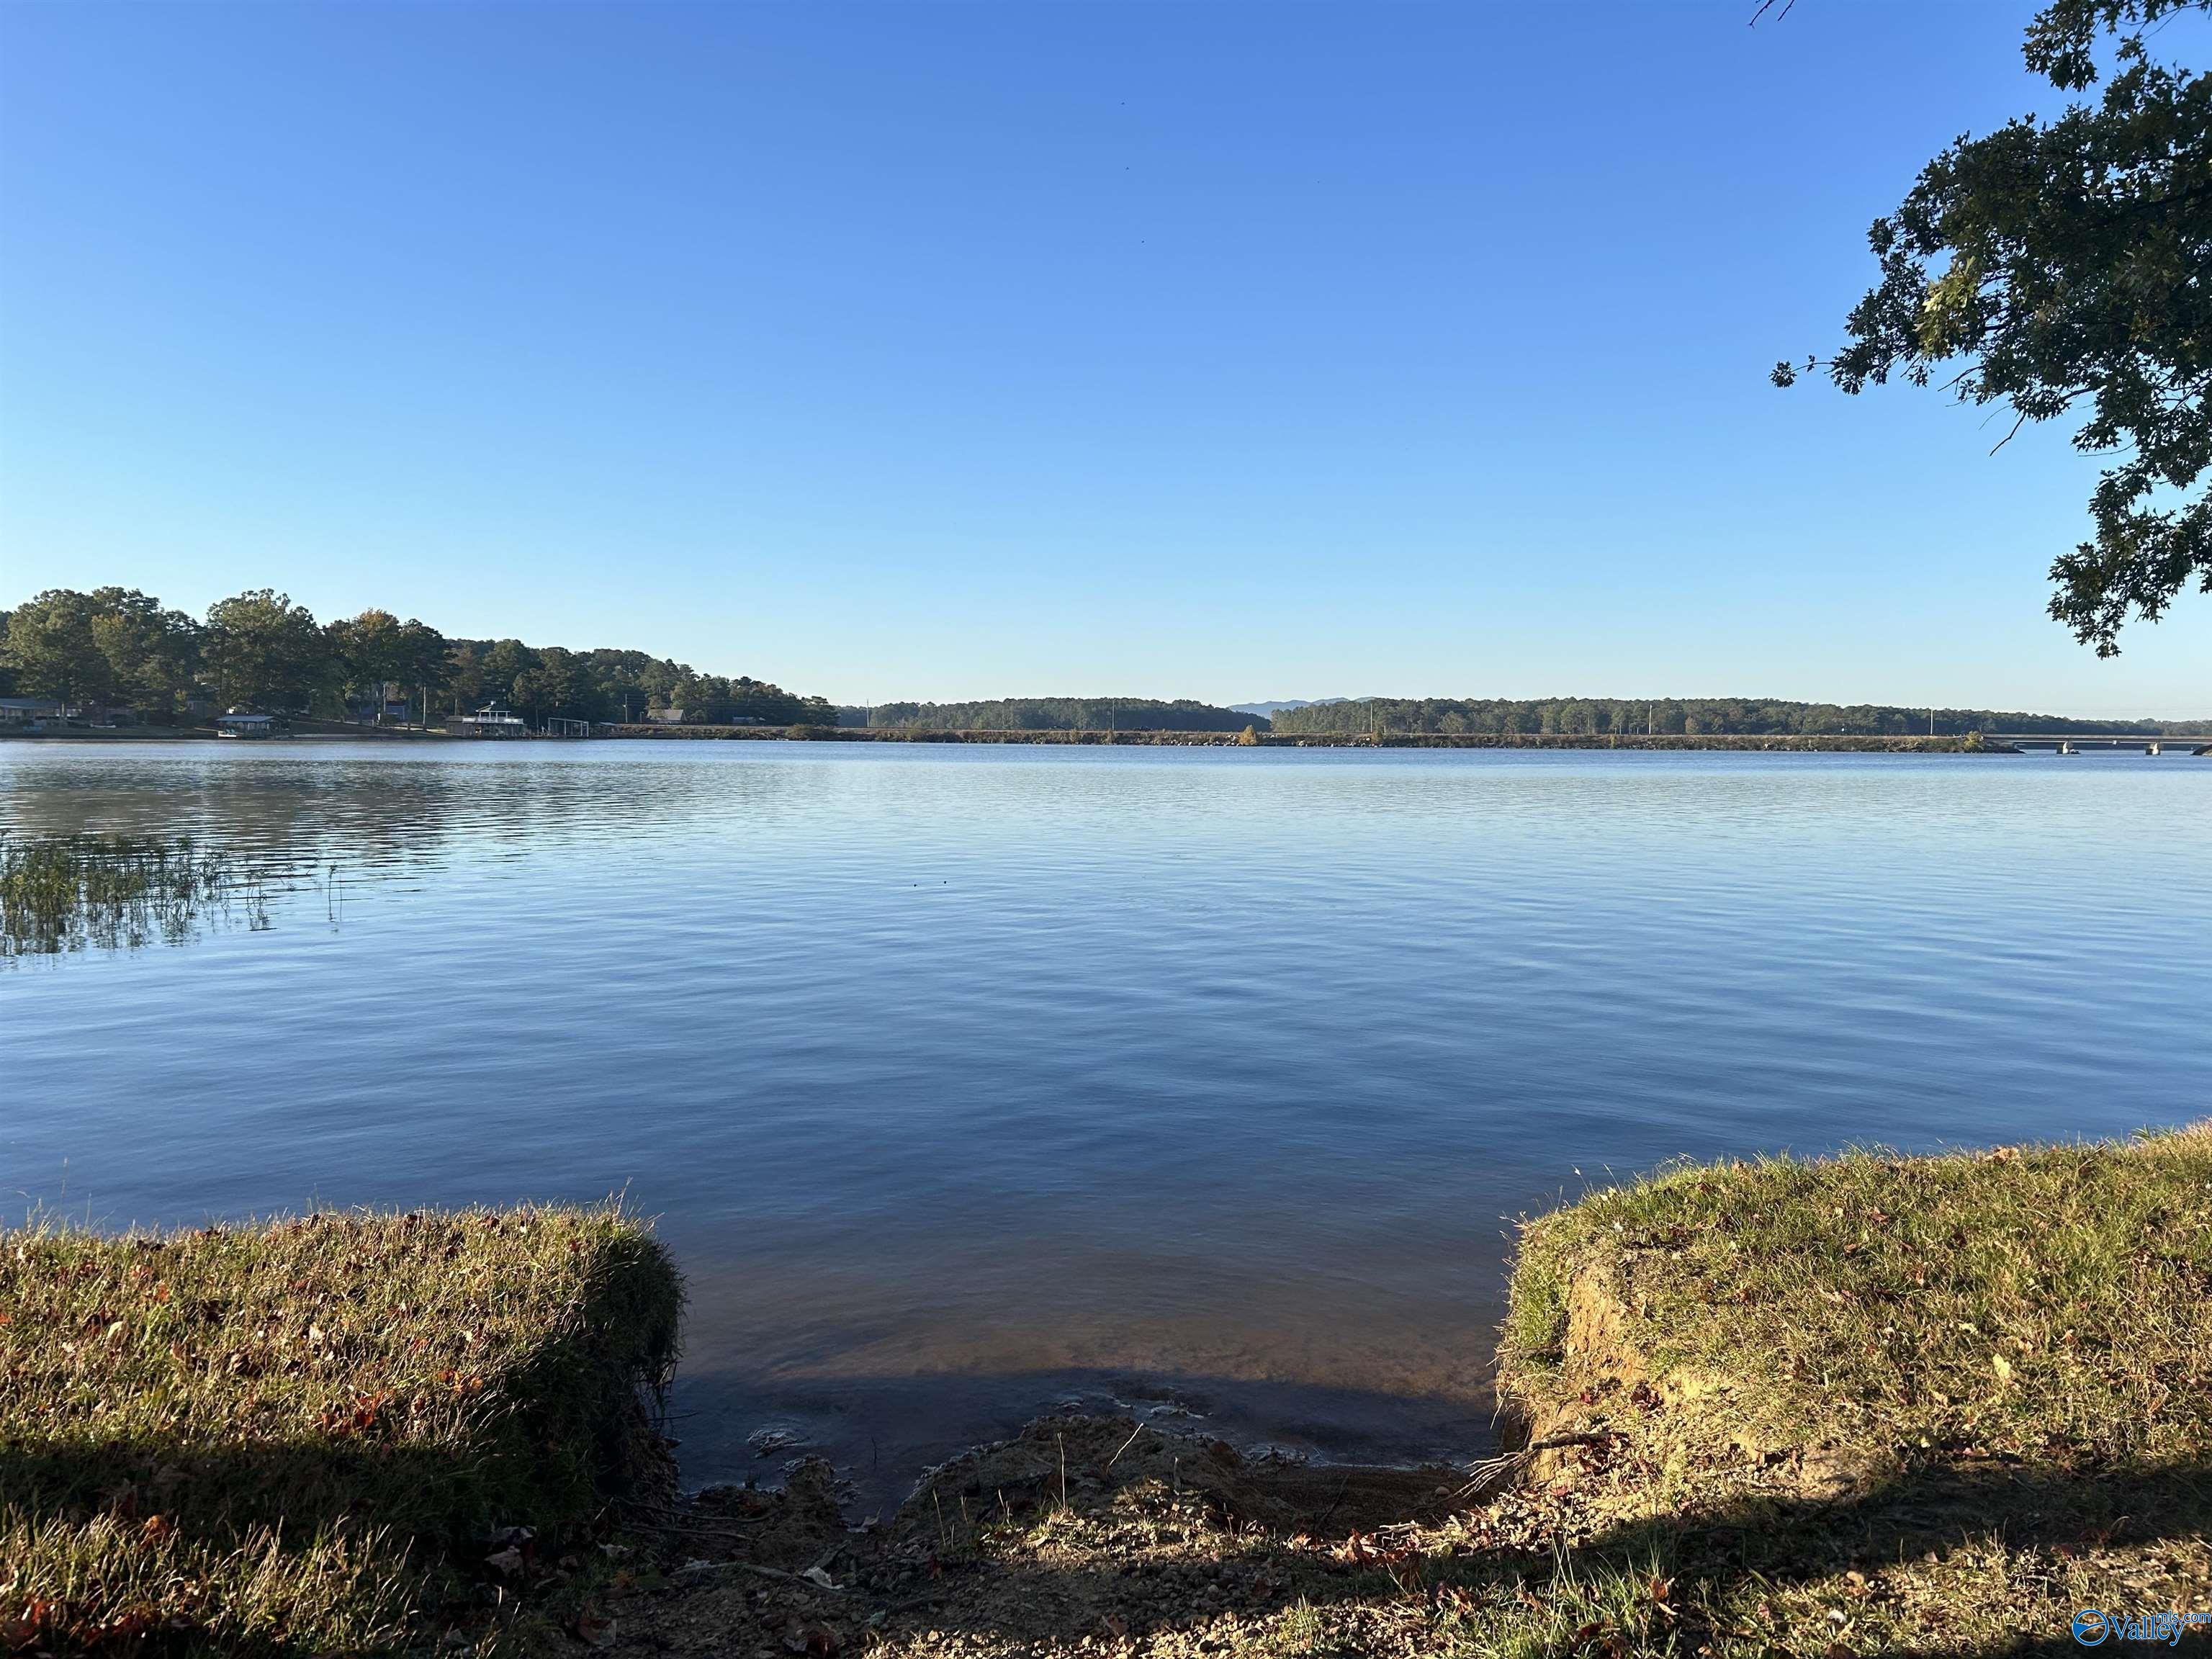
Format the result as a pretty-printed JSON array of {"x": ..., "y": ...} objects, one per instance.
[
  {"x": 1720, "y": 742},
  {"x": 1894, "y": 1405},
  {"x": 1837, "y": 744}
]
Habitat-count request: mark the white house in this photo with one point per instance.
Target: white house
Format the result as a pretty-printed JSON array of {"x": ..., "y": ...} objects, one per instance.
[{"x": 494, "y": 720}]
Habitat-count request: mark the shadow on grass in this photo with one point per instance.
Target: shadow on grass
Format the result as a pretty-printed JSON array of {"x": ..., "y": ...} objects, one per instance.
[
  {"x": 1735, "y": 1558},
  {"x": 314, "y": 1507},
  {"x": 275, "y": 1548},
  {"x": 433, "y": 1493}
]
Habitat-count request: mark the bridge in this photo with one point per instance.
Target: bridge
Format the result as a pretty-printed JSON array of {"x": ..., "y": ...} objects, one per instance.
[{"x": 2074, "y": 743}]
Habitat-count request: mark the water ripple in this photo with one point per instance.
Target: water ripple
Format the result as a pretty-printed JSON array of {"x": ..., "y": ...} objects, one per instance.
[{"x": 966, "y": 1079}]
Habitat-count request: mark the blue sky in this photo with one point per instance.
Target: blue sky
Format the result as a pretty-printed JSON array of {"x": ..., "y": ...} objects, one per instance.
[{"x": 1223, "y": 350}]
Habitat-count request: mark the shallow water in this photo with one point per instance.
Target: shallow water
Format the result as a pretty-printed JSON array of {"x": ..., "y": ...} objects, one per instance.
[{"x": 966, "y": 1081}]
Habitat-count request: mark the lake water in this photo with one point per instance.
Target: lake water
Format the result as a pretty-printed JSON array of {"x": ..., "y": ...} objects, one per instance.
[{"x": 970, "y": 1081}]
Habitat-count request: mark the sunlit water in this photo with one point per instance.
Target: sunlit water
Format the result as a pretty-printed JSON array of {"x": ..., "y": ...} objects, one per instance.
[{"x": 965, "y": 1082}]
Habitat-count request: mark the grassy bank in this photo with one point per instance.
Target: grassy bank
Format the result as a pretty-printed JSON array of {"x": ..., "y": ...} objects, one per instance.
[
  {"x": 1870, "y": 1405},
  {"x": 1914, "y": 1404},
  {"x": 310, "y": 1436}
]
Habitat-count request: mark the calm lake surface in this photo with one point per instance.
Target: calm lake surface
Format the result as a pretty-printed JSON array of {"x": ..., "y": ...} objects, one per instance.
[{"x": 966, "y": 1082}]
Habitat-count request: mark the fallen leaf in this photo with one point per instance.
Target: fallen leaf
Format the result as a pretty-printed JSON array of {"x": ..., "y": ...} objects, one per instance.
[{"x": 594, "y": 1627}]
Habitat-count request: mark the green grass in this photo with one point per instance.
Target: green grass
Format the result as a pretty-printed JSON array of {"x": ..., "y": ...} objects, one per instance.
[
  {"x": 1602, "y": 1608},
  {"x": 2051, "y": 1301},
  {"x": 1901, "y": 1405},
  {"x": 300, "y": 1436}
]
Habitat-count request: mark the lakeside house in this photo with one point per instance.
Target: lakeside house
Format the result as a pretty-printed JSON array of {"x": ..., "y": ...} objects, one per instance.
[
  {"x": 494, "y": 720},
  {"x": 390, "y": 703},
  {"x": 49, "y": 715},
  {"x": 28, "y": 714},
  {"x": 680, "y": 716},
  {"x": 239, "y": 723}
]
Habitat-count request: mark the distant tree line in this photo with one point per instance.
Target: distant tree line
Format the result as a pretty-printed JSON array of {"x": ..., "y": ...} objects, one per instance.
[
  {"x": 612, "y": 685},
  {"x": 1713, "y": 716},
  {"x": 258, "y": 650},
  {"x": 1060, "y": 714}
]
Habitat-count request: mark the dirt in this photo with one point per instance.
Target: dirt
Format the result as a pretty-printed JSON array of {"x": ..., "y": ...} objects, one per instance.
[
  {"x": 1083, "y": 1534},
  {"x": 1096, "y": 1537}
]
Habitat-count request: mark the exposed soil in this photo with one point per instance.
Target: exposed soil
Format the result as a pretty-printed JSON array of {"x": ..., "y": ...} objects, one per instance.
[{"x": 1082, "y": 1534}]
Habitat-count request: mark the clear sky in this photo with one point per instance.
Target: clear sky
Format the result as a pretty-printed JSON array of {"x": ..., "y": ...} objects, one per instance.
[{"x": 1222, "y": 350}]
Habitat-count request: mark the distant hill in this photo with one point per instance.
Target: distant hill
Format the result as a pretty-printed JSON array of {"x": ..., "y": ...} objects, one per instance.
[
  {"x": 1753, "y": 716},
  {"x": 1064, "y": 714},
  {"x": 1269, "y": 710}
]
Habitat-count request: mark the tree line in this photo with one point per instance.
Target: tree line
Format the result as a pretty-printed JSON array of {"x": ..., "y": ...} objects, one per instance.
[
  {"x": 1691, "y": 717},
  {"x": 258, "y": 650},
  {"x": 1061, "y": 715}
]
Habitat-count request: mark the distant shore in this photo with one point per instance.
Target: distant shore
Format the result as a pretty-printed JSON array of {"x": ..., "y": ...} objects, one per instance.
[
  {"x": 1838, "y": 744},
  {"x": 1787, "y": 743}
]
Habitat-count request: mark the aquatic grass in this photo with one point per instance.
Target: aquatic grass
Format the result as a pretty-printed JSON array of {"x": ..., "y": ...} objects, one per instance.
[
  {"x": 64, "y": 892},
  {"x": 307, "y": 1436}
]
